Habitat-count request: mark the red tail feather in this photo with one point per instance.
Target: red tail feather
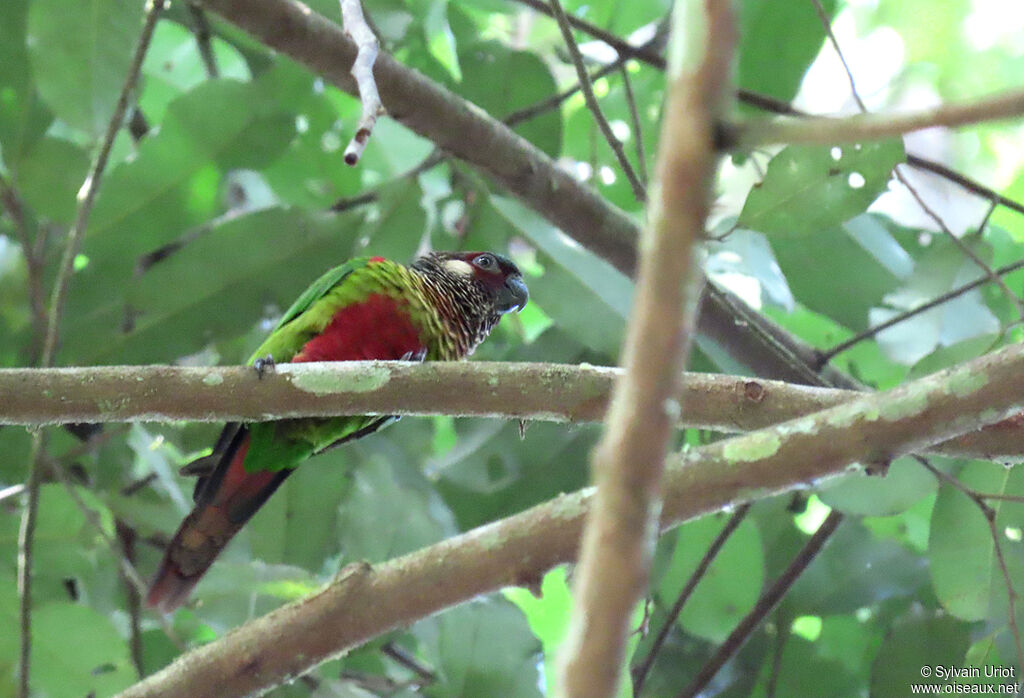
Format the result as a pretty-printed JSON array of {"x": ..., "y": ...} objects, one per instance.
[{"x": 230, "y": 499}]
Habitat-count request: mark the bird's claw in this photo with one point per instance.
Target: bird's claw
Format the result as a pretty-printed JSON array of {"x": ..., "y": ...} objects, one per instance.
[{"x": 264, "y": 365}]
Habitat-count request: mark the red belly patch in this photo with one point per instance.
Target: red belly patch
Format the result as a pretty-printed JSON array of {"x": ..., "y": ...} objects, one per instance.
[{"x": 377, "y": 328}]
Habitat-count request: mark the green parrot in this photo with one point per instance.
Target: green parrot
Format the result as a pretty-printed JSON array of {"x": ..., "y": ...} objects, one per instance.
[{"x": 437, "y": 309}]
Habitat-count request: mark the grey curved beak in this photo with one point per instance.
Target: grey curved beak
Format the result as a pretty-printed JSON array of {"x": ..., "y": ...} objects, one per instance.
[{"x": 513, "y": 296}]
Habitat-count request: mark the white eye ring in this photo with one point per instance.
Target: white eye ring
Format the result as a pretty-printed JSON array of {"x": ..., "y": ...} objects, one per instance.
[{"x": 484, "y": 261}]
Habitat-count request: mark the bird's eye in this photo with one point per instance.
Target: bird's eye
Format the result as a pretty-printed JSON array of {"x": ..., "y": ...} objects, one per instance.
[{"x": 484, "y": 261}]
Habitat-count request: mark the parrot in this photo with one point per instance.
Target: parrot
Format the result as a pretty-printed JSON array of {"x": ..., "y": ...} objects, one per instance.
[{"x": 439, "y": 308}]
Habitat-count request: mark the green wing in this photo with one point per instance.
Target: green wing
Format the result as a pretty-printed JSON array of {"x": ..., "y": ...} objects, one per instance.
[{"x": 288, "y": 337}]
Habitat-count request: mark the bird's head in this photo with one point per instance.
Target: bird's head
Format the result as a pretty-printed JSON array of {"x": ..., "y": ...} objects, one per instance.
[{"x": 493, "y": 279}]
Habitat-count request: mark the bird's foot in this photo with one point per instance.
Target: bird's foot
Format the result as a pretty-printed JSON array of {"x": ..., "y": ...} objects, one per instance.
[
  {"x": 264, "y": 366},
  {"x": 419, "y": 355}
]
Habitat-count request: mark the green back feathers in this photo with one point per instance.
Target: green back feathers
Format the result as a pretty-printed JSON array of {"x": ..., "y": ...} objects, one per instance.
[
  {"x": 284, "y": 342},
  {"x": 351, "y": 283}
]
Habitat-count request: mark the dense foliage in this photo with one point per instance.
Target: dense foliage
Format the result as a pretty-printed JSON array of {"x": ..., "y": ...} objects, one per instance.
[{"x": 227, "y": 194}]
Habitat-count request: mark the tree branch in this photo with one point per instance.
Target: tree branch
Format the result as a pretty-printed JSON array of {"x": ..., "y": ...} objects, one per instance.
[
  {"x": 366, "y": 601},
  {"x": 639, "y": 190},
  {"x": 532, "y": 391},
  {"x": 615, "y": 554},
  {"x": 868, "y": 127}
]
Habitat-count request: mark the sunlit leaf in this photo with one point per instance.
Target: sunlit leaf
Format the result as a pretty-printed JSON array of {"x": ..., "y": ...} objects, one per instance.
[{"x": 809, "y": 189}]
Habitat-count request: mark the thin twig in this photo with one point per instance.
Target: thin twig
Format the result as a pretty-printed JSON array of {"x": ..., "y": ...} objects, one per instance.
[
  {"x": 401, "y": 656},
  {"x": 778, "y": 106},
  {"x": 940, "y": 170},
  {"x": 436, "y": 157},
  {"x": 10, "y": 492},
  {"x": 646, "y": 53},
  {"x": 827, "y": 356},
  {"x": 87, "y": 196},
  {"x": 201, "y": 29},
  {"x": 826, "y": 23},
  {"x": 963, "y": 246},
  {"x": 33, "y": 263},
  {"x": 359, "y": 31},
  {"x": 639, "y": 191},
  {"x": 26, "y": 536},
  {"x": 640, "y": 672},
  {"x": 126, "y": 536},
  {"x": 854, "y": 129},
  {"x": 764, "y": 605},
  {"x": 526, "y": 113},
  {"x": 634, "y": 115}
]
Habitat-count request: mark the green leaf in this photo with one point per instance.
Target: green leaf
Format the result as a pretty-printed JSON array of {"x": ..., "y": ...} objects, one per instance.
[
  {"x": 393, "y": 149},
  {"x": 389, "y": 510},
  {"x": 483, "y": 477},
  {"x": 173, "y": 66},
  {"x": 961, "y": 550},
  {"x": 774, "y": 67},
  {"x": 312, "y": 172},
  {"x": 50, "y": 176},
  {"x": 905, "y": 483},
  {"x": 732, "y": 584},
  {"x": 23, "y": 118},
  {"x": 170, "y": 186},
  {"x": 808, "y": 189},
  {"x": 845, "y": 292},
  {"x": 963, "y": 318},
  {"x": 828, "y": 678},
  {"x": 482, "y": 648},
  {"x": 1009, "y": 526},
  {"x": 916, "y": 641},
  {"x": 76, "y": 652},
  {"x": 856, "y": 570},
  {"x": 502, "y": 80},
  {"x": 81, "y": 52},
  {"x": 298, "y": 526},
  {"x": 225, "y": 280},
  {"x": 440, "y": 39},
  {"x": 548, "y": 616},
  {"x": 397, "y": 230}
]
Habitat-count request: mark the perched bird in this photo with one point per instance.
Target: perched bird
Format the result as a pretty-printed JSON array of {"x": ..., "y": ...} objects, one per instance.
[{"x": 438, "y": 309}]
